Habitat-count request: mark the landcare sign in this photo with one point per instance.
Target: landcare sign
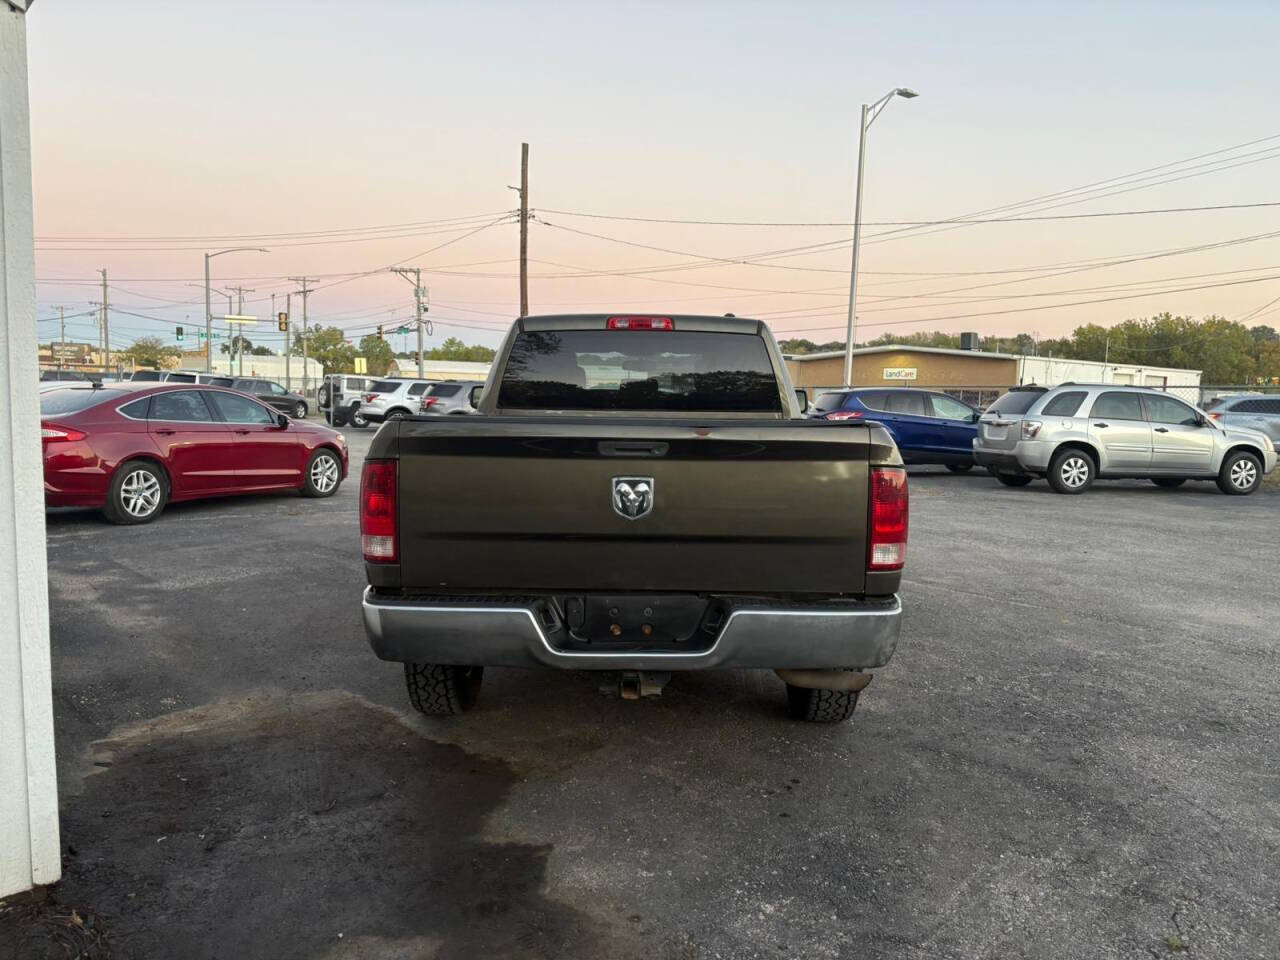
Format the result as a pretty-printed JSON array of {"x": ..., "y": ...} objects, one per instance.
[{"x": 899, "y": 373}]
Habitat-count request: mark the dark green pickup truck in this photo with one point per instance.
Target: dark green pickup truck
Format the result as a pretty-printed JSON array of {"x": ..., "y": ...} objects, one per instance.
[{"x": 640, "y": 495}]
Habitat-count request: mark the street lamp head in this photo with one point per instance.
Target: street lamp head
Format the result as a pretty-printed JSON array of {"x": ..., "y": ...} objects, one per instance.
[{"x": 906, "y": 93}]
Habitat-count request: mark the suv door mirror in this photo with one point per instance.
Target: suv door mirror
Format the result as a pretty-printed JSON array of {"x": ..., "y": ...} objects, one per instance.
[
  {"x": 474, "y": 398},
  {"x": 802, "y": 398}
]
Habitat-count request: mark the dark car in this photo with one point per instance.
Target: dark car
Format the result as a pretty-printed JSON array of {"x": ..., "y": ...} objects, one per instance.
[
  {"x": 130, "y": 450},
  {"x": 268, "y": 391},
  {"x": 929, "y": 427}
]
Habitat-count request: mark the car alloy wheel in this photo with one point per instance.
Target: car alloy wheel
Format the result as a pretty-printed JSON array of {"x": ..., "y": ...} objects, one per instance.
[
  {"x": 324, "y": 473},
  {"x": 1244, "y": 474},
  {"x": 357, "y": 418},
  {"x": 140, "y": 494},
  {"x": 1074, "y": 472},
  {"x": 300, "y": 411}
]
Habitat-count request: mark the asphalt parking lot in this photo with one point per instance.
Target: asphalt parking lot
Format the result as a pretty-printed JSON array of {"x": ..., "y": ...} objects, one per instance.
[{"x": 1075, "y": 753}]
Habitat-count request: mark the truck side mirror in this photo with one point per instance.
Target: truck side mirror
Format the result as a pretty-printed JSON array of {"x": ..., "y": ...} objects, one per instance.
[
  {"x": 802, "y": 398},
  {"x": 475, "y": 396}
]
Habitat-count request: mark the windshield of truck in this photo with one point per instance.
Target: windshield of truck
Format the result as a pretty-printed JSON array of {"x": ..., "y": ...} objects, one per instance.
[{"x": 639, "y": 370}]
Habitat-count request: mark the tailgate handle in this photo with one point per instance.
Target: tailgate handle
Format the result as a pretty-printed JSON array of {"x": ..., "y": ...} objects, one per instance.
[{"x": 622, "y": 448}]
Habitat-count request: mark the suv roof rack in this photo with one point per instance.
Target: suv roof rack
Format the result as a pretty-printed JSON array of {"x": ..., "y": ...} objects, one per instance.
[{"x": 1099, "y": 383}]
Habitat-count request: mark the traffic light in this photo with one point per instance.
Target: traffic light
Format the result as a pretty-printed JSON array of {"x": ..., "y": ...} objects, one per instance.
[
  {"x": 179, "y": 333},
  {"x": 380, "y": 336},
  {"x": 283, "y": 319}
]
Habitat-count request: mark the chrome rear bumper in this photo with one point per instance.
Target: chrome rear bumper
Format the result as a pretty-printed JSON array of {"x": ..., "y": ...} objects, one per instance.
[{"x": 510, "y": 634}]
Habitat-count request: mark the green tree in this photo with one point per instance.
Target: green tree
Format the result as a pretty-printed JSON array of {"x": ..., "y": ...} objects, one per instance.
[
  {"x": 455, "y": 349},
  {"x": 236, "y": 344},
  {"x": 151, "y": 352},
  {"x": 377, "y": 353},
  {"x": 329, "y": 347}
]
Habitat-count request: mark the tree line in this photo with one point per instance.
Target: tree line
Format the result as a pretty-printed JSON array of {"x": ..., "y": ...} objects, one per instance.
[{"x": 1225, "y": 351}]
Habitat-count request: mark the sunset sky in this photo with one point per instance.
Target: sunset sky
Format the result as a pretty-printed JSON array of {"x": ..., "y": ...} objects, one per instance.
[{"x": 162, "y": 130}]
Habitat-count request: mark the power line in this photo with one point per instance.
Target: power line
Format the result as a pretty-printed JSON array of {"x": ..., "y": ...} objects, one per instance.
[
  {"x": 1049, "y": 306},
  {"x": 916, "y": 223}
]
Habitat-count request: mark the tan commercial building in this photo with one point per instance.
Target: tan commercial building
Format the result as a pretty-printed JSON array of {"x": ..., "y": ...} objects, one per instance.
[{"x": 970, "y": 371}]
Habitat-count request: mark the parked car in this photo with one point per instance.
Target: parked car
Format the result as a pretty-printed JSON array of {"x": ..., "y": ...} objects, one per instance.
[
  {"x": 1253, "y": 411},
  {"x": 270, "y": 392},
  {"x": 130, "y": 450},
  {"x": 1079, "y": 432},
  {"x": 450, "y": 396},
  {"x": 635, "y": 495},
  {"x": 65, "y": 376},
  {"x": 928, "y": 426},
  {"x": 393, "y": 397},
  {"x": 339, "y": 399},
  {"x": 164, "y": 376}
]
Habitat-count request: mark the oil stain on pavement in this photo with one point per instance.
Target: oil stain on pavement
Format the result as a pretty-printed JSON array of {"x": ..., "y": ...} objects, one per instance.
[{"x": 308, "y": 826}]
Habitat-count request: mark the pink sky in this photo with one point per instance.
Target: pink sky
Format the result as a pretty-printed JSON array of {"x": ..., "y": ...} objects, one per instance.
[{"x": 154, "y": 122}]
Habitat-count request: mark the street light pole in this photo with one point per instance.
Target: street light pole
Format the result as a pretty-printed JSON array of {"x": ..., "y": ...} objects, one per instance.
[
  {"x": 208, "y": 306},
  {"x": 869, "y": 114}
]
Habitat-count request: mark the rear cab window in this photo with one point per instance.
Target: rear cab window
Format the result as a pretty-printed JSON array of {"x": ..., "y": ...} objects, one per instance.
[{"x": 652, "y": 370}]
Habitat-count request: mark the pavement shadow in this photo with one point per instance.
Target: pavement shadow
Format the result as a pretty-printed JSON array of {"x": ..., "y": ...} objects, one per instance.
[{"x": 309, "y": 826}]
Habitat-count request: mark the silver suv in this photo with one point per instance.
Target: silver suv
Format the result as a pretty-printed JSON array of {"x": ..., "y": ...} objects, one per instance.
[
  {"x": 392, "y": 397},
  {"x": 451, "y": 396},
  {"x": 1253, "y": 411},
  {"x": 1079, "y": 432}
]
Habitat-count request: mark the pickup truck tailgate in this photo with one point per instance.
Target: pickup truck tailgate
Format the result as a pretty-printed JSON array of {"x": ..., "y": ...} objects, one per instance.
[{"x": 735, "y": 506}]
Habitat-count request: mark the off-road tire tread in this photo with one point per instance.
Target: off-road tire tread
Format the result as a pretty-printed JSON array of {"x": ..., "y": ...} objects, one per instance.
[
  {"x": 821, "y": 706},
  {"x": 441, "y": 690}
]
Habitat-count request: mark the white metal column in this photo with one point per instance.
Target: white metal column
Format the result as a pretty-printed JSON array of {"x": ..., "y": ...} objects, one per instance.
[{"x": 29, "y": 848}]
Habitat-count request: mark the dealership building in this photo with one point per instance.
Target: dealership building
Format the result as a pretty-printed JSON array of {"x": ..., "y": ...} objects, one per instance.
[{"x": 973, "y": 373}]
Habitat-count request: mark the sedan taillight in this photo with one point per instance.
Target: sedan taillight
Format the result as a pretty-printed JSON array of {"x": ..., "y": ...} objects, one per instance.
[
  {"x": 887, "y": 543},
  {"x": 378, "y": 511},
  {"x": 52, "y": 433}
]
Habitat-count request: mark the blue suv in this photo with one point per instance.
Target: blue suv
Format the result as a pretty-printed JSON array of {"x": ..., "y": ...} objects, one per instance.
[{"x": 928, "y": 427}]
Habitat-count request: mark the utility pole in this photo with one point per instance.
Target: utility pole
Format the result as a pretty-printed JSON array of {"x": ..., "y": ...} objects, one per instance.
[
  {"x": 62, "y": 336},
  {"x": 106, "y": 326},
  {"x": 288, "y": 335},
  {"x": 420, "y": 304},
  {"x": 305, "y": 291},
  {"x": 524, "y": 237},
  {"x": 238, "y": 342}
]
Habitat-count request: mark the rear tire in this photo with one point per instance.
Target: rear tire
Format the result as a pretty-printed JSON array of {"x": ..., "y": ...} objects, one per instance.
[
  {"x": 138, "y": 493},
  {"x": 959, "y": 467},
  {"x": 399, "y": 413},
  {"x": 357, "y": 419},
  {"x": 1071, "y": 471},
  {"x": 821, "y": 706},
  {"x": 1013, "y": 479},
  {"x": 1240, "y": 475},
  {"x": 300, "y": 411},
  {"x": 1168, "y": 482},
  {"x": 441, "y": 690}
]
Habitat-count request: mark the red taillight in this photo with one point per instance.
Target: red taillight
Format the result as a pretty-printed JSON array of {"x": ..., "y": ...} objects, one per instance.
[
  {"x": 1215, "y": 416},
  {"x": 641, "y": 323},
  {"x": 843, "y": 415},
  {"x": 378, "y": 512},
  {"x": 428, "y": 401},
  {"x": 52, "y": 433},
  {"x": 887, "y": 543}
]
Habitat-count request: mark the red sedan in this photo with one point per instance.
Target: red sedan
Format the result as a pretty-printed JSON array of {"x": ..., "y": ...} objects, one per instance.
[{"x": 129, "y": 450}]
